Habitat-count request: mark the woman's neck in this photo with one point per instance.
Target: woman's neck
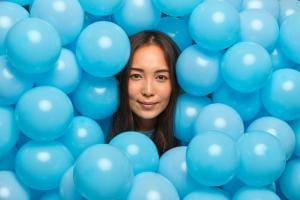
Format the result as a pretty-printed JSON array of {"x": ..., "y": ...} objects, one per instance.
[{"x": 145, "y": 124}]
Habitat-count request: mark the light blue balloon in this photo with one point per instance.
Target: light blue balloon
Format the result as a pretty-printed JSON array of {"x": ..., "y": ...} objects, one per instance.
[
  {"x": 288, "y": 8},
  {"x": 97, "y": 98},
  {"x": 176, "y": 8},
  {"x": 106, "y": 125},
  {"x": 177, "y": 29},
  {"x": 103, "y": 49},
  {"x": 43, "y": 113},
  {"x": 172, "y": 165},
  {"x": 51, "y": 195},
  {"x": 259, "y": 26},
  {"x": 136, "y": 16},
  {"x": 207, "y": 193},
  {"x": 150, "y": 185},
  {"x": 247, "y": 105},
  {"x": 82, "y": 133},
  {"x": 22, "y": 2},
  {"x": 289, "y": 181},
  {"x": 272, "y": 6},
  {"x": 233, "y": 186},
  {"x": 288, "y": 37},
  {"x": 42, "y": 40},
  {"x": 250, "y": 193},
  {"x": 12, "y": 83},
  {"x": 140, "y": 150},
  {"x": 10, "y": 14},
  {"x": 219, "y": 117},
  {"x": 212, "y": 158},
  {"x": 40, "y": 165},
  {"x": 236, "y": 3},
  {"x": 254, "y": 66},
  {"x": 65, "y": 75},
  {"x": 198, "y": 71},
  {"x": 262, "y": 158},
  {"x": 187, "y": 109},
  {"x": 280, "y": 60},
  {"x": 66, "y": 16},
  {"x": 296, "y": 128},
  {"x": 7, "y": 161},
  {"x": 8, "y": 130},
  {"x": 280, "y": 95},
  {"x": 278, "y": 128},
  {"x": 103, "y": 172},
  {"x": 214, "y": 25},
  {"x": 101, "y": 7},
  {"x": 11, "y": 187}
]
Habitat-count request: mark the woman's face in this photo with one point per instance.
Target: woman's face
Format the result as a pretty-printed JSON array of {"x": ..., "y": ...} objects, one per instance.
[{"x": 149, "y": 84}]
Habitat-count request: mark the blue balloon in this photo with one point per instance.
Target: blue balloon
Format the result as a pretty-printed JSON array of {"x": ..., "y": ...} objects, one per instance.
[
  {"x": 40, "y": 165},
  {"x": 12, "y": 83},
  {"x": 7, "y": 161},
  {"x": 177, "y": 29},
  {"x": 8, "y": 129},
  {"x": 43, "y": 113},
  {"x": 82, "y": 133},
  {"x": 65, "y": 75},
  {"x": 219, "y": 117},
  {"x": 289, "y": 181},
  {"x": 212, "y": 158},
  {"x": 236, "y": 3},
  {"x": 11, "y": 187},
  {"x": 198, "y": 71},
  {"x": 214, "y": 25},
  {"x": 254, "y": 66},
  {"x": 172, "y": 165},
  {"x": 97, "y": 98},
  {"x": 22, "y": 2},
  {"x": 272, "y": 6},
  {"x": 280, "y": 60},
  {"x": 66, "y": 16},
  {"x": 136, "y": 16},
  {"x": 150, "y": 185},
  {"x": 263, "y": 148},
  {"x": 187, "y": 109},
  {"x": 259, "y": 26},
  {"x": 280, "y": 95},
  {"x": 103, "y": 49},
  {"x": 296, "y": 128},
  {"x": 288, "y": 8},
  {"x": 212, "y": 193},
  {"x": 51, "y": 195},
  {"x": 140, "y": 150},
  {"x": 41, "y": 38},
  {"x": 10, "y": 14},
  {"x": 103, "y": 172},
  {"x": 176, "y": 8},
  {"x": 100, "y": 7},
  {"x": 233, "y": 186},
  {"x": 288, "y": 37},
  {"x": 250, "y": 193}
]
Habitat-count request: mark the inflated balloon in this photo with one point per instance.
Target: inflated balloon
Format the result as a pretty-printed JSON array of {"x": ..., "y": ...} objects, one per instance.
[
  {"x": 172, "y": 165},
  {"x": 8, "y": 130},
  {"x": 150, "y": 185},
  {"x": 212, "y": 158},
  {"x": 254, "y": 66},
  {"x": 212, "y": 193},
  {"x": 198, "y": 71},
  {"x": 272, "y": 6},
  {"x": 280, "y": 94},
  {"x": 259, "y": 26},
  {"x": 40, "y": 165},
  {"x": 41, "y": 38},
  {"x": 296, "y": 127},
  {"x": 103, "y": 172},
  {"x": 214, "y": 25},
  {"x": 176, "y": 8},
  {"x": 82, "y": 133},
  {"x": 11, "y": 187},
  {"x": 10, "y": 13},
  {"x": 12, "y": 83},
  {"x": 177, "y": 29},
  {"x": 288, "y": 37},
  {"x": 279, "y": 128},
  {"x": 236, "y": 3},
  {"x": 187, "y": 109},
  {"x": 101, "y": 7},
  {"x": 250, "y": 193},
  {"x": 7, "y": 161},
  {"x": 289, "y": 181},
  {"x": 51, "y": 195},
  {"x": 22, "y": 2},
  {"x": 43, "y": 113},
  {"x": 140, "y": 150},
  {"x": 66, "y": 16},
  {"x": 233, "y": 186},
  {"x": 263, "y": 148},
  {"x": 97, "y": 98},
  {"x": 103, "y": 49},
  {"x": 280, "y": 60},
  {"x": 136, "y": 16},
  {"x": 288, "y": 8},
  {"x": 219, "y": 117}
]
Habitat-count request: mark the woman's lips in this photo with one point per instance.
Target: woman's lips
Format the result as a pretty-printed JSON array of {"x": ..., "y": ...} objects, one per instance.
[{"x": 147, "y": 105}]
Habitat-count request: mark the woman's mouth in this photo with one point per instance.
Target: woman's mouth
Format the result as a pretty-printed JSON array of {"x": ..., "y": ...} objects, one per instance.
[{"x": 147, "y": 105}]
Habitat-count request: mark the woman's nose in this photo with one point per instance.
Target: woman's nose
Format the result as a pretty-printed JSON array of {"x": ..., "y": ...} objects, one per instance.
[{"x": 148, "y": 88}]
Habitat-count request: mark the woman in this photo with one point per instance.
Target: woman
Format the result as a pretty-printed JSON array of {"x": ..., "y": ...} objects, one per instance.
[{"x": 148, "y": 89}]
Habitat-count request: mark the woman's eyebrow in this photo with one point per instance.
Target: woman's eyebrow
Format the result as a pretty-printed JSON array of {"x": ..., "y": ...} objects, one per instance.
[{"x": 136, "y": 69}]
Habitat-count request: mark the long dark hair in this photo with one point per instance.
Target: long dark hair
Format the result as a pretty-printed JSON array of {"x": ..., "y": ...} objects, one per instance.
[{"x": 124, "y": 119}]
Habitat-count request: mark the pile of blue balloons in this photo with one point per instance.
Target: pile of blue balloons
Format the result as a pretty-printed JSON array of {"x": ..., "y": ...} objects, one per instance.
[{"x": 238, "y": 116}]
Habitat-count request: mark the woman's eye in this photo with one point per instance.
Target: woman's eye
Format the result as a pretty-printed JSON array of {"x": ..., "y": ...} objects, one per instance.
[
  {"x": 135, "y": 76},
  {"x": 162, "y": 77}
]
